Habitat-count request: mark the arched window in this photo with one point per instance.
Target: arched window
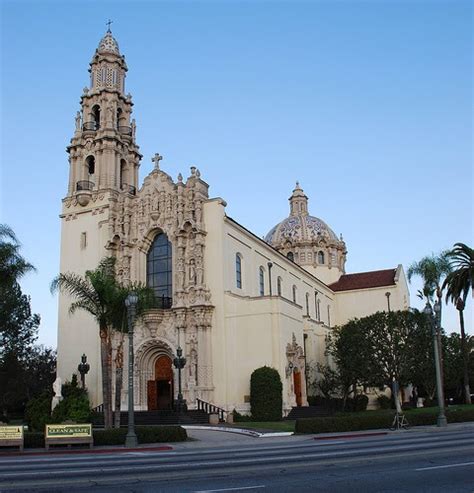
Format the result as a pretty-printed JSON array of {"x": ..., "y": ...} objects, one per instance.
[
  {"x": 307, "y": 304},
  {"x": 238, "y": 271},
  {"x": 261, "y": 281},
  {"x": 279, "y": 286},
  {"x": 119, "y": 113},
  {"x": 290, "y": 256},
  {"x": 159, "y": 270},
  {"x": 90, "y": 165},
  {"x": 294, "y": 293},
  {"x": 320, "y": 257}
]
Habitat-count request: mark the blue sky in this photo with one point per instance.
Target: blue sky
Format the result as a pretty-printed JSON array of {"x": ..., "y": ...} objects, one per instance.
[{"x": 367, "y": 104}]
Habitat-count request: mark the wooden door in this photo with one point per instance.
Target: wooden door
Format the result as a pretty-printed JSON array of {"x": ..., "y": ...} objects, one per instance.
[
  {"x": 164, "y": 382},
  {"x": 297, "y": 385},
  {"x": 152, "y": 395}
]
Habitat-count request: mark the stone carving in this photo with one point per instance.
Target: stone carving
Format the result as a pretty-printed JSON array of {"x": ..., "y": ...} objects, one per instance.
[{"x": 57, "y": 388}]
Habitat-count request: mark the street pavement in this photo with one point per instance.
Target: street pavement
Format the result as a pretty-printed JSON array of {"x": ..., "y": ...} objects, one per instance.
[{"x": 431, "y": 460}]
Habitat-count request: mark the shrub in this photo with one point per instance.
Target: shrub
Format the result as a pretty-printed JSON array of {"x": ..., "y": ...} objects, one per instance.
[
  {"x": 375, "y": 420},
  {"x": 145, "y": 434},
  {"x": 384, "y": 402},
  {"x": 34, "y": 439},
  {"x": 74, "y": 406},
  {"x": 266, "y": 394},
  {"x": 116, "y": 436},
  {"x": 360, "y": 403},
  {"x": 37, "y": 412}
]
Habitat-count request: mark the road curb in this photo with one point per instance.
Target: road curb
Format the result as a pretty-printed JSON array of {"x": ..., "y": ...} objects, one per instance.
[
  {"x": 161, "y": 448},
  {"x": 239, "y": 431},
  {"x": 352, "y": 435}
]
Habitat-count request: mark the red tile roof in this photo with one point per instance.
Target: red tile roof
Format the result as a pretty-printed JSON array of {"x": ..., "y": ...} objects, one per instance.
[{"x": 364, "y": 280}]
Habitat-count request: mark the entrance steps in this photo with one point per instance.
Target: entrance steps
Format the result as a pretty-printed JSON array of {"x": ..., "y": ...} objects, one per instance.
[
  {"x": 162, "y": 417},
  {"x": 298, "y": 412}
]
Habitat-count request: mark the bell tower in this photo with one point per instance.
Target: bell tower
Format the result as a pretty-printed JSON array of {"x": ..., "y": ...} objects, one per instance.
[
  {"x": 103, "y": 154},
  {"x": 103, "y": 172}
]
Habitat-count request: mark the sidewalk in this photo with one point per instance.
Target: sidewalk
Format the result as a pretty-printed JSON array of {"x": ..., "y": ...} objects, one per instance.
[{"x": 216, "y": 437}]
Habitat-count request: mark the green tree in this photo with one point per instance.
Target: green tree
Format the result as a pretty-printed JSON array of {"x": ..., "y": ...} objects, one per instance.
[
  {"x": 96, "y": 293},
  {"x": 432, "y": 270},
  {"x": 386, "y": 348},
  {"x": 348, "y": 348},
  {"x": 101, "y": 295},
  {"x": 12, "y": 265},
  {"x": 458, "y": 283}
]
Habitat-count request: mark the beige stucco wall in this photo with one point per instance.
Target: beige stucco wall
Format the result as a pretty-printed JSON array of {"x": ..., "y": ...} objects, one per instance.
[
  {"x": 362, "y": 302},
  {"x": 78, "y": 333}
]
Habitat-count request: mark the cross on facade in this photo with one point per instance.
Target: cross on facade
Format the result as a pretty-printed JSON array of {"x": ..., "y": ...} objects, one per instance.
[
  {"x": 108, "y": 25},
  {"x": 157, "y": 160}
]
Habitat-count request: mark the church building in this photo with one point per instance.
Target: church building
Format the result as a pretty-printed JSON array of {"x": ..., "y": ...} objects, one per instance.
[{"x": 233, "y": 301}]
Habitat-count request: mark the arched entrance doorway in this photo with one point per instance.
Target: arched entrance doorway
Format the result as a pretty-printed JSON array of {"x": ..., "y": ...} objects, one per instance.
[{"x": 160, "y": 389}]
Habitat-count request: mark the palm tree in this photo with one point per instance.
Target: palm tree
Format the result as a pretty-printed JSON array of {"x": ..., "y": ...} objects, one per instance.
[
  {"x": 458, "y": 283},
  {"x": 431, "y": 269},
  {"x": 12, "y": 264},
  {"x": 96, "y": 293}
]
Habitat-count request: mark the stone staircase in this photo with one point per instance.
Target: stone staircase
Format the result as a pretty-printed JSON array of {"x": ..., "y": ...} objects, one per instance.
[{"x": 307, "y": 412}]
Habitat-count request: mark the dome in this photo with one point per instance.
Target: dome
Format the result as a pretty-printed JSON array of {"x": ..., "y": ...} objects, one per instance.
[
  {"x": 108, "y": 44},
  {"x": 299, "y": 229}
]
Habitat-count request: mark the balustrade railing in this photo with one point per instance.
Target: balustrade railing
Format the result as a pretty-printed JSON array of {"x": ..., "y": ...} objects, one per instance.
[
  {"x": 209, "y": 408},
  {"x": 90, "y": 126},
  {"x": 125, "y": 130},
  {"x": 84, "y": 185},
  {"x": 128, "y": 188}
]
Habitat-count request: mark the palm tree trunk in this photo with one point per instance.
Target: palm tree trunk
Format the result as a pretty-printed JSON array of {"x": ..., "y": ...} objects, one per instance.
[
  {"x": 118, "y": 395},
  {"x": 465, "y": 359},
  {"x": 106, "y": 387},
  {"x": 118, "y": 382}
]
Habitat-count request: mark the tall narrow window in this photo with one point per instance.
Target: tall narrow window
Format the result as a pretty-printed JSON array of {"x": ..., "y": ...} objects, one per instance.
[
  {"x": 238, "y": 271},
  {"x": 321, "y": 257},
  {"x": 90, "y": 165},
  {"x": 307, "y": 304},
  {"x": 316, "y": 304},
  {"x": 319, "y": 311},
  {"x": 329, "y": 316},
  {"x": 294, "y": 293},
  {"x": 95, "y": 114},
  {"x": 279, "y": 286},
  {"x": 261, "y": 280},
  {"x": 159, "y": 270},
  {"x": 290, "y": 256}
]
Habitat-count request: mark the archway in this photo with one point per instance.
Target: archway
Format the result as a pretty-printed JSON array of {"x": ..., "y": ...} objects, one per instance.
[{"x": 160, "y": 389}]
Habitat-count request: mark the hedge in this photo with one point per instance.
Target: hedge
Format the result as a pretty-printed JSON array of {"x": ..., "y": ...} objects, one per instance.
[
  {"x": 266, "y": 401},
  {"x": 116, "y": 436},
  {"x": 375, "y": 420}
]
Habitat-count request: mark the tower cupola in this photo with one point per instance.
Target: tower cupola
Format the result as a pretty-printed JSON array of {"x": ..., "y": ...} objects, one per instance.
[{"x": 103, "y": 152}]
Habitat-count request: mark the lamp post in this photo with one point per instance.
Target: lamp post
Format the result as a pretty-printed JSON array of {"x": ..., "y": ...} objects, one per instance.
[
  {"x": 435, "y": 322},
  {"x": 179, "y": 363},
  {"x": 83, "y": 368},
  {"x": 131, "y": 304}
]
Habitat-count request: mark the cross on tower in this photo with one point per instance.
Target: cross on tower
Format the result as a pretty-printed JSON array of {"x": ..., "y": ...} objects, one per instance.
[
  {"x": 108, "y": 25},
  {"x": 157, "y": 160}
]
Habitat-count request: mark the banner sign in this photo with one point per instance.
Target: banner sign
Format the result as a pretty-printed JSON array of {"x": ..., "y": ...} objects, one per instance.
[
  {"x": 69, "y": 431},
  {"x": 11, "y": 433}
]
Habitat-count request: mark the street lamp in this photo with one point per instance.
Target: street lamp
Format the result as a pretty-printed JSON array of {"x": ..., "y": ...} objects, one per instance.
[
  {"x": 435, "y": 322},
  {"x": 83, "y": 368},
  {"x": 131, "y": 304},
  {"x": 179, "y": 363}
]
